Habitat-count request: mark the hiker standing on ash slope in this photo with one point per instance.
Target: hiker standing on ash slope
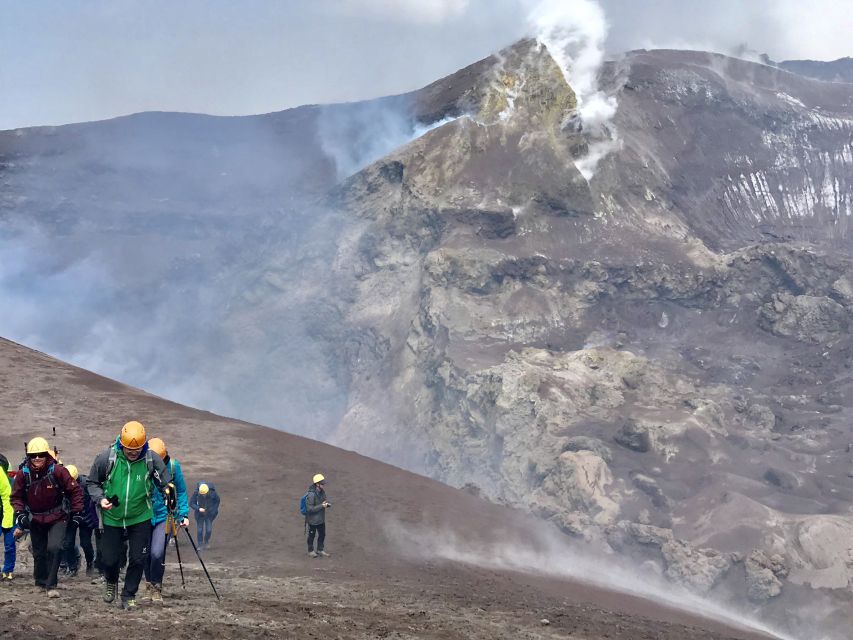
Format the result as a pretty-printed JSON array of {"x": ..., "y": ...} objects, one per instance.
[
  {"x": 7, "y": 521},
  {"x": 39, "y": 496},
  {"x": 121, "y": 482},
  {"x": 85, "y": 526},
  {"x": 315, "y": 515},
  {"x": 156, "y": 565},
  {"x": 205, "y": 504}
]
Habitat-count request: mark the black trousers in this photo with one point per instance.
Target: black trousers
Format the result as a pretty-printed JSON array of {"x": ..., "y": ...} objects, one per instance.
[
  {"x": 138, "y": 538},
  {"x": 72, "y": 559},
  {"x": 320, "y": 530},
  {"x": 47, "y": 541}
]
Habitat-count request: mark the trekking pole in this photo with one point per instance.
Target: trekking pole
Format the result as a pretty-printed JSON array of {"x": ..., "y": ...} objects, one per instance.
[
  {"x": 198, "y": 555},
  {"x": 172, "y": 527}
]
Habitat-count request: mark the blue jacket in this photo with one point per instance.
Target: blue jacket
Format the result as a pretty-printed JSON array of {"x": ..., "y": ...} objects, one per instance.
[
  {"x": 210, "y": 502},
  {"x": 159, "y": 500}
]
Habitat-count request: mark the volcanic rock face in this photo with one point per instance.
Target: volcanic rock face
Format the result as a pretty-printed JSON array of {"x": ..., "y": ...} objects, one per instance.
[{"x": 665, "y": 345}]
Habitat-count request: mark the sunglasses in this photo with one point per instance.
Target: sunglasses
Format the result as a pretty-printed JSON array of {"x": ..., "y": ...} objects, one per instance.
[{"x": 33, "y": 456}]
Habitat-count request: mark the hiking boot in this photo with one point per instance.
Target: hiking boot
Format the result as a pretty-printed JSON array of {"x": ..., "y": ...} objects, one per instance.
[
  {"x": 129, "y": 604},
  {"x": 71, "y": 573},
  {"x": 7, "y": 577},
  {"x": 110, "y": 591},
  {"x": 156, "y": 593},
  {"x": 52, "y": 593},
  {"x": 322, "y": 553},
  {"x": 312, "y": 554},
  {"x": 146, "y": 593},
  {"x": 98, "y": 579},
  {"x": 90, "y": 571}
]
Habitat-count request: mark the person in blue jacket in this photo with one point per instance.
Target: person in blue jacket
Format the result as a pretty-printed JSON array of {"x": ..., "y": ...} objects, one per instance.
[
  {"x": 205, "y": 503},
  {"x": 156, "y": 565}
]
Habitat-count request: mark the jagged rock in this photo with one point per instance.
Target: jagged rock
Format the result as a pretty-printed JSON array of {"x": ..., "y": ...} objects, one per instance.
[
  {"x": 585, "y": 443},
  {"x": 634, "y": 436},
  {"x": 806, "y": 318},
  {"x": 764, "y": 574},
  {"x": 650, "y": 487}
]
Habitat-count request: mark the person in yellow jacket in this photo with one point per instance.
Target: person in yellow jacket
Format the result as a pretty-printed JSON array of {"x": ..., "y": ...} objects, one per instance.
[{"x": 7, "y": 520}]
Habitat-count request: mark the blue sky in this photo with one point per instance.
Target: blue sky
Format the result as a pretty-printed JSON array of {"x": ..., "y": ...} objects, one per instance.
[{"x": 73, "y": 60}]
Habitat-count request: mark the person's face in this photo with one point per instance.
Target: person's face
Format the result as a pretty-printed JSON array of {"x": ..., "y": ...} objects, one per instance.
[
  {"x": 38, "y": 460},
  {"x": 132, "y": 454}
]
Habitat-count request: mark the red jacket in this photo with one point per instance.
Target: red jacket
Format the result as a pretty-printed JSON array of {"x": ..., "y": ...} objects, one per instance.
[{"x": 44, "y": 497}]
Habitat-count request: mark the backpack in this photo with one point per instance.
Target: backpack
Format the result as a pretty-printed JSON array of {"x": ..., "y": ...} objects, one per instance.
[
  {"x": 149, "y": 462},
  {"x": 50, "y": 477},
  {"x": 303, "y": 505}
]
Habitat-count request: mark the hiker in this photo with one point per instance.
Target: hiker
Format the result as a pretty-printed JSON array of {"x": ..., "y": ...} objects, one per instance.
[
  {"x": 205, "y": 504},
  {"x": 7, "y": 521},
  {"x": 43, "y": 495},
  {"x": 177, "y": 500},
  {"x": 315, "y": 515},
  {"x": 122, "y": 481},
  {"x": 87, "y": 525}
]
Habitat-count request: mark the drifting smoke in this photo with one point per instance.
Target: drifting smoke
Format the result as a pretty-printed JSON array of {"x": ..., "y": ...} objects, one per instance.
[
  {"x": 575, "y": 34},
  {"x": 548, "y": 553},
  {"x": 356, "y": 135}
]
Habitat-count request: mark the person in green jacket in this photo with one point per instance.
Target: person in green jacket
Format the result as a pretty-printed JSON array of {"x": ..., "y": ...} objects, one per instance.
[
  {"x": 122, "y": 482},
  {"x": 7, "y": 521}
]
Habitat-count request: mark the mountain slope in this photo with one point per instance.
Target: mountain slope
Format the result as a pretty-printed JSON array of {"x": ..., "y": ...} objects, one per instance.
[{"x": 367, "y": 588}]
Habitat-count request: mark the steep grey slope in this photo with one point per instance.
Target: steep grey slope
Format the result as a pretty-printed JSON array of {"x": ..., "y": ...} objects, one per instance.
[{"x": 657, "y": 358}]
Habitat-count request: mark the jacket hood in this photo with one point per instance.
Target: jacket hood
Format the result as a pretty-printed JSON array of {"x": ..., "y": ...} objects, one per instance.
[{"x": 120, "y": 447}]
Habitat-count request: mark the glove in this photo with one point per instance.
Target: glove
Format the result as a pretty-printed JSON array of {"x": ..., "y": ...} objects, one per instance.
[
  {"x": 22, "y": 520},
  {"x": 185, "y": 522},
  {"x": 78, "y": 519}
]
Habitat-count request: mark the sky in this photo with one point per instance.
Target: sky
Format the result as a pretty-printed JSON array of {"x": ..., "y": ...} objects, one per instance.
[{"x": 67, "y": 61}]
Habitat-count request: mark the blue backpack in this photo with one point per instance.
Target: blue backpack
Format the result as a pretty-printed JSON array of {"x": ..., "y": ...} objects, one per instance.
[{"x": 303, "y": 504}]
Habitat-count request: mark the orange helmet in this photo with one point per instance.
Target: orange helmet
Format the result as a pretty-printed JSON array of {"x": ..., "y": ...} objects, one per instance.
[
  {"x": 133, "y": 435},
  {"x": 158, "y": 446}
]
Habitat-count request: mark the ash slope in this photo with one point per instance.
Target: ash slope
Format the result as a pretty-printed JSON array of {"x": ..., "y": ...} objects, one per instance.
[{"x": 268, "y": 585}]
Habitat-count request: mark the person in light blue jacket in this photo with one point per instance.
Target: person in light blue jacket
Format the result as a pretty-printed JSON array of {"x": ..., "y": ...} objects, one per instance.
[{"x": 156, "y": 565}]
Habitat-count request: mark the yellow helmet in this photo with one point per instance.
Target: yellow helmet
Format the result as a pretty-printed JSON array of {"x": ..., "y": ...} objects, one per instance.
[
  {"x": 133, "y": 435},
  {"x": 73, "y": 471},
  {"x": 319, "y": 477},
  {"x": 158, "y": 446},
  {"x": 39, "y": 445},
  {"x": 203, "y": 489}
]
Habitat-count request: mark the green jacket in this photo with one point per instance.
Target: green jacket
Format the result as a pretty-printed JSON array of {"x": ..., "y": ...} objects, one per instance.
[
  {"x": 133, "y": 483},
  {"x": 5, "y": 503}
]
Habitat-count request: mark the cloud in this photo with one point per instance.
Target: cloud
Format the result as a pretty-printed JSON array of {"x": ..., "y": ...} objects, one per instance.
[{"x": 430, "y": 11}]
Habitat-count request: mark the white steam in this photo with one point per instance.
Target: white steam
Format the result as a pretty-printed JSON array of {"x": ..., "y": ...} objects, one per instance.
[
  {"x": 575, "y": 32},
  {"x": 358, "y": 135},
  {"x": 548, "y": 553}
]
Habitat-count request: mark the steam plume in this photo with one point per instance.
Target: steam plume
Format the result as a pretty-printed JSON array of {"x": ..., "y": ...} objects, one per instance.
[{"x": 575, "y": 33}]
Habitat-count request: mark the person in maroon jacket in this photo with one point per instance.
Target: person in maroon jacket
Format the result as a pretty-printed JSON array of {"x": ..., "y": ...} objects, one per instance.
[{"x": 43, "y": 495}]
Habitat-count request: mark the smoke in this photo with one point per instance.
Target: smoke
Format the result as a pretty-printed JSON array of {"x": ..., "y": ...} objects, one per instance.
[
  {"x": 356, "y": 135},
  {"x": 545, "y": 552},
  {"x": 575, "y": 34}
]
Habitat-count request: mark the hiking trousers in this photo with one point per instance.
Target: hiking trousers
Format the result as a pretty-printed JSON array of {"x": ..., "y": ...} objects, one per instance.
[
  {"x": 204, "y": 528},
  {"x": 72, "y": 559},
  {"x": 320, "y": 531},
  {"x": 9, "y": 550},
  {"x": 47, "y": 541},
  {"x": 138, "y": 538},
  {"x": 155, "y": 567}
]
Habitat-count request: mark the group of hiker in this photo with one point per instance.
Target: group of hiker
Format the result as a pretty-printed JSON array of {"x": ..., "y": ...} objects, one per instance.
[{"x": 133, "y": 501}]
